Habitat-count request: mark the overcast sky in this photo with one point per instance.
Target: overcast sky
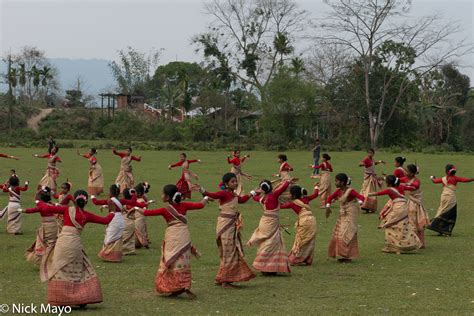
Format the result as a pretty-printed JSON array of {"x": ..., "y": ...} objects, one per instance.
[{"x": 97, "y": 29}]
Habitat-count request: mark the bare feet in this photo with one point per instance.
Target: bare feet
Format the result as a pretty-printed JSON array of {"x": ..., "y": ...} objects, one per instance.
[
  {"x": 227, "y": 285},
  {"x": 177, "y": 293}
]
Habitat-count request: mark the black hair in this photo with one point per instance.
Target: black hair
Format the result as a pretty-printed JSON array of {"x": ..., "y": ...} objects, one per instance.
[
  {"x": 171, "y": 191},
  {"x": 183, "y": 154},
  {"x": 227, "y": 177},
  {"x": 44, "y": 194},
  {"x": 343, "y": 178},
  {"x": 266, "y": 186},
  {"x": 93, "y": 150},
  {"x": 371, "y": 150},
  {"x": 400, "y": 160},
  {"x": 283, "y": 157},
  {"x": 114, "y": 190},
  {"x": 393, "y": 181},
  {"x": 130, "y": 148},
  {"x": 412, "y": 169},
  {"x": 327, "y": 157},
  {"x": 67, "y": 185},
  {"x": 80, "y": 197},
  {"x": 14, "y": 181},
  {"x": 126, "y": 194},
  {"x": 297, "y": 192},
  {"x": 57, "y": 149},
  {"x": 449, "y": 169}
]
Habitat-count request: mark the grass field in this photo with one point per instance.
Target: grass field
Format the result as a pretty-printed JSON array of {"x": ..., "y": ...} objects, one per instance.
[{"x": 437, "y": 280}]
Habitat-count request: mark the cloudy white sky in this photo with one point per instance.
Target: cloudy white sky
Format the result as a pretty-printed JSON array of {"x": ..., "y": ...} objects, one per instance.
[{"x": 98, "y": 28}]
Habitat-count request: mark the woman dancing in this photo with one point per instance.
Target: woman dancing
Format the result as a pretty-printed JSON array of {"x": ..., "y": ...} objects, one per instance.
[
  {"x": 233, "y": 267},
  {"x": 236, "y": 169},
  {"x": 371, "y": 182},
  {"x": 400, "y": 234},
  {"x": 302, "y": 252},
  {"x": 14, "y": 190},
  {"x": 184, "y": 184},
  {"x": 95, "y": 182},
  {"x": 416, "y": 212},
  {"x": 283, "y": 175},
  {"x": 445, "y": 218},
  {"x": 46, "y": 234},
  {"x": 125, "y": 177},
  {"x": 141, "y": 231},
  {"x": 52, "y": 171},
  {"x": 272, "y": 257},
  {"x": 63, "y": 199},
  {"x": 174, "y": 272},
  {"x": 112, "y": 249},
  {"x": 324, "y": 179},
  {"x": 344, "y": 244},
  {"x": 72, "y": 280}
]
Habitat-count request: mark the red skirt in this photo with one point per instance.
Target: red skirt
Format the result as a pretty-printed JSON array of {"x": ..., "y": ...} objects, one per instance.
[{"x": 183, "y": 187}]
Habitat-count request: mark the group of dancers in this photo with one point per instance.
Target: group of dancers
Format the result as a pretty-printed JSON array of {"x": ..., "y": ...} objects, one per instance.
[{"x": 72, "y": 280}]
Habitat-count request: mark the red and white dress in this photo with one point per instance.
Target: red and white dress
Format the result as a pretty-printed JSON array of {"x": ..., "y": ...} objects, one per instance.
[{"x": 184, "y": 183}]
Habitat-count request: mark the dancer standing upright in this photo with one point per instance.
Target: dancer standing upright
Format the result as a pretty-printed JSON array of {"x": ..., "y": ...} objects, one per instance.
[
  {"x": 14, "y": 220},
  {"x": 233, "y": 267},
  {"x": 95, "y": 182},
  {"x": 184, "y": 184},
  {"x": 371, "y": 182},
  {"x": 52, "y": 171},
  {"x": 125, "y": 177},
  {"x": 445, "y": 217},
  {"x": 236, "y": 169}
]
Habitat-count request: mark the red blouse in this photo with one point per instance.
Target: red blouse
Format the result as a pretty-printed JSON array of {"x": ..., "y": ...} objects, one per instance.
[
  {"x": 368, "y": 162},
  {"x": 399, "y": 173},
  {"x": 64, "y": 199},
  {"x": 270, "y": 200},
  {"x": 124, "y": 154},
  {"x": 17, "y": 189},
  {"x": 325, "y": 166},
  {"x": 452, "y": 180},
  {"x": 124, "y": 202},
  {"x": 286, "y": 167},
  {"x": 82, "y": 217},
  {"x": 180, "y": 163},
  {"x": 305, "y": 199},
  {"x": 225, "y": 196},
  {"x": 236, "y": 160},
  {"x": 401, "y": 189},
  {"x": 182, "y": 209},
  {"x": 415, "y": 183},
  {"x": 338, "y": 193},
  {"x": 56, "y": 159}
]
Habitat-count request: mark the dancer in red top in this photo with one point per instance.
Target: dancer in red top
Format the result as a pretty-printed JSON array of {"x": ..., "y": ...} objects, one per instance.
[
  {"x": 371, "y": 182},
  {"x": 184, "y": 184},
  {"x": 9, "y": 156},
  {"x": 141, "y": 231},
  {"x": 233, "y": 267},
  {"x": 344, "y": 244},
  {"x": 302, "y": 252},
  {"x": 324, "y": 179},
  {"x": 400, "y": 171},
  {"x": 63, "y": 199},
  {"x": 174, "y": 273},
  {"x": 52, "y": 171},
  {"x": 416, "y": 212},
  {"x": 445, "y": 218},
  {"x": 271, "y": 253},
  {"x": 283, "y": 175},
  {"x": 14, "y": 190},
  {"x": 236, "y": 169},
  {"x": 112, "y": 249},
  {"x": 71, "y": 277},
  {"x": 95, "y": 182},
  {"x": 46, "y": 234},
  {"x": 400, "y": 233},
  {"x": 125, "y": 177}
]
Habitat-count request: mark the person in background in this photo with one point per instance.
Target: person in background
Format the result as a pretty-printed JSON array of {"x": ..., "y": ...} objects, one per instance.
[{"x": 316, "y": 154}]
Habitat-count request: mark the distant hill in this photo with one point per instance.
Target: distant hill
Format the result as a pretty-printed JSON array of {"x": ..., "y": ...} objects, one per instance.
[{"x": 94, "y": 73}]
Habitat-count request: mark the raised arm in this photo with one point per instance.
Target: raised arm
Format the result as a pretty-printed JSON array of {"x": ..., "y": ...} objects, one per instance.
[
  {"x": 177, "y": 164},
  {"x": 332, "y": 197},
  {"x": 193, "y": 205},
  {"x": 462, "y": 179},
  {"x": 243, "y": 198},
  {"x": 44, "y": 207},
  {"x": 41, "y": 155},
  {"x": 137, "y": 158},
  {"x": 436, "y": 180},
  {"x": 281, "y": 188},
  {"x": 95, "y": 201},
  {"x": 314, "y": 195},
  {"x": 92, "y": 218},
  {"x": 155, "y": 212},
  {"x": 120, "y": 154},
  {"x": 357, "y": 195},
  {"x": 380, "y": 193},
  {"x": 219, "y": 195},
  {"x": 9, "y": 156}
]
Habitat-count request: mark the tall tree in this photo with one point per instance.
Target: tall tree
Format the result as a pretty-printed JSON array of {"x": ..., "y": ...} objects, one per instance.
[
  {"x": 363, "y": 26},
  {"x": 251, "y": 38},
  {"x": 134, "y": 69}
]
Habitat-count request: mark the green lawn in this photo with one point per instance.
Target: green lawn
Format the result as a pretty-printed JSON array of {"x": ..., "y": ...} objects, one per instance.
[{"x": 437, "y": 280}]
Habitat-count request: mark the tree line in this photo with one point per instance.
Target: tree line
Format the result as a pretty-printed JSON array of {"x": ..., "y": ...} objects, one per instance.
[{"x": 366, "y": 74}]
